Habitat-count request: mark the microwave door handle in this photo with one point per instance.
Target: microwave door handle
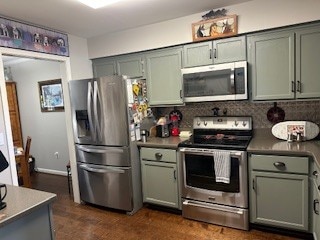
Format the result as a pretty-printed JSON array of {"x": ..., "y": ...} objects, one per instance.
[
  {"x": 89, "y": 109},
  {"x": 232, "y": 81}
]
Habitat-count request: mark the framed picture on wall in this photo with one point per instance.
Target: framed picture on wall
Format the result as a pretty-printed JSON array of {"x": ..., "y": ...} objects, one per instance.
[{"x": 51, "y": 95}]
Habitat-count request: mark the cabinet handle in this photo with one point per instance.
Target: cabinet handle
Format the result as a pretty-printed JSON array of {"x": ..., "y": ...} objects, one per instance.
[
  {"x": 299, "y": 86},
  {"x": 158, "y": 155},
  {"x": 215, "y": 53},
  {"x": 315, "y": 173},
  {"x": 210, "y": 53},
  {"x": 293, "y": 86},
  {"x": 181, "y": 94},
  {"x": 253, "y": 185},
  {"x": 315, "y": 203},
  {"x": 174, "y": 175},
  {"x": 279, "y": 164}
]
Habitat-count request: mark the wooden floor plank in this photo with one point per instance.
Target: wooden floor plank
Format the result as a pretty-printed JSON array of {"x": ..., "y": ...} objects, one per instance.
[{"x": 85, "y": 222}]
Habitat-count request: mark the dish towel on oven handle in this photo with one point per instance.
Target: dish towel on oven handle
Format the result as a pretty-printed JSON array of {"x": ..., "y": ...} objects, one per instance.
[{"x": 222, "y": 163}]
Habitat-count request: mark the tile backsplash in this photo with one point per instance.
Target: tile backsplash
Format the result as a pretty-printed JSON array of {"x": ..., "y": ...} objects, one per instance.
[{"x": 294, "y": 110}]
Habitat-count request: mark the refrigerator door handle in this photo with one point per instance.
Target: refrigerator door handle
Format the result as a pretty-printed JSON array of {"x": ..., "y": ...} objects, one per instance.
[
  {"x": 89, "y": 107},
  {"x": 101, "y": 170},
  {"x": 96, "y": 150},
  {"x": 96, "y": 101}
]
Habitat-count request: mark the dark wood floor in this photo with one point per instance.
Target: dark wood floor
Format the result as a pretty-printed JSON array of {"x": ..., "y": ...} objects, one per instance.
[{"x": 83, "y": 222}]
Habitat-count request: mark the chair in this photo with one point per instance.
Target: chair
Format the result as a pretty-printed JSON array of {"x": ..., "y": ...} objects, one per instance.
[
  {"x": 24, "y": 172},
  {"x": 69, "y": 177}
]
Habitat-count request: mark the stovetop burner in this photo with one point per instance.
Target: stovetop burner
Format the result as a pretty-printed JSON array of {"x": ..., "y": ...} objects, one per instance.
[{"x": 220, "y": 132}]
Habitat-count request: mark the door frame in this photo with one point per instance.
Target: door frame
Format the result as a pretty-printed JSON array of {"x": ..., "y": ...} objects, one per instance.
[{"x": 65, "y": 71}]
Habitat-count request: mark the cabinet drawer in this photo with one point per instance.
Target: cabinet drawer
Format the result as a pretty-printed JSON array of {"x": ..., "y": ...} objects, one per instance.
[
  {"x": 158, "y": 154},
  {"x": 279, "y": 163}
]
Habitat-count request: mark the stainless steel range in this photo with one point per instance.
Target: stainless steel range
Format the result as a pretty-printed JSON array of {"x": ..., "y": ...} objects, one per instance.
[{"x": 214, "y": 171}]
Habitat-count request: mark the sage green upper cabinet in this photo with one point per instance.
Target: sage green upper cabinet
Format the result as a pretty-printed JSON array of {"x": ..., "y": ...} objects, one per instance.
[
  {"x": 285, "y": 64},
  {"x": 104, "y": 67},
  {"x": 132, "y": 66},
  {"x": 271, "y": 65},
  {"x": 215, "y": 52},
  {"x": 164, "y": 79},
  {"x": 197, "y": 54},
  {"x": 308, "y": 62}
]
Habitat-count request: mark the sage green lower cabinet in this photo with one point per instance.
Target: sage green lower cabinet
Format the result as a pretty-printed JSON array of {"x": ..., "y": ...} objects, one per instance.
[
  {"x": 160, "y": 177},
  {"x": 315, "y": 179},
  {"x": 279, "y": 191}
]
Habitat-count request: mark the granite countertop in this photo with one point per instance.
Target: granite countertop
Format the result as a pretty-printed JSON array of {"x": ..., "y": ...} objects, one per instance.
[
  {"x": 21, "y": 201},
  {"x": 264, "y": 142},
  {"x": 157, "y": 142}
]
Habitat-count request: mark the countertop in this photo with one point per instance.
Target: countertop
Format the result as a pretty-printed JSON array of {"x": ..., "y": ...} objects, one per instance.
[
  {"x": 21, "y": 201},
  {"x": 264, "y": 142},
  {"x": 157, "y": 142}
]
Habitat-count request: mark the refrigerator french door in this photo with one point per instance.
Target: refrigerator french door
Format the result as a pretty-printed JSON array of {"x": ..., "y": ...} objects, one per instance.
[
  {"x": 100, "y": 111},
  {"x": 106, "y": 158}
]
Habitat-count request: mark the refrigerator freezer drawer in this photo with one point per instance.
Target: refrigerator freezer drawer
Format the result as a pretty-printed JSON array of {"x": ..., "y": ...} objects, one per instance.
[
  {"x": 217, "y": 214},
  {"x": 102, "y": 155},
  {"x": 106, "y": 186}
]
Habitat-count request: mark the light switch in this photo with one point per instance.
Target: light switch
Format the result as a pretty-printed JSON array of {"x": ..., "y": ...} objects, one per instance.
[{"x": 1, "y": 139}]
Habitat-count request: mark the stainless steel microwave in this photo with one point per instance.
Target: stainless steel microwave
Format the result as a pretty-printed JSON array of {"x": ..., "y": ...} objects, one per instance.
[{"x": 227, "y": 81}]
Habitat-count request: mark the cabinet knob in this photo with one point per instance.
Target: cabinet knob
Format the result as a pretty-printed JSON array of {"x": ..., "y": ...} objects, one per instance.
[
  {"x": 315, "y": 173},
  {"x": 279, "y": 164},
  {"x": 158, "y": 155}
]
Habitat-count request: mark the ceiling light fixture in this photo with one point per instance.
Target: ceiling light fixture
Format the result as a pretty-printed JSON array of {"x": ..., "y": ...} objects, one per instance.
[{"x": 98, "y": 3}]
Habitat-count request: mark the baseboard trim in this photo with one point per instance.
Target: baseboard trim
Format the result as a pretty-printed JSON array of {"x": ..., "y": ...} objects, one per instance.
[{"x": 50, "y": 171}]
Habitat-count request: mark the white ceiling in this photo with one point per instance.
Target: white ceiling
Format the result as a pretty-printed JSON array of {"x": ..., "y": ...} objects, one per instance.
[{"x": 71, "y": 16}]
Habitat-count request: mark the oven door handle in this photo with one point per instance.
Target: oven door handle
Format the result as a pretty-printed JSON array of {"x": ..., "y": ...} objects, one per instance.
[
  {"x": 207, "y": 151},
  {"x": 207, "y": 206}
]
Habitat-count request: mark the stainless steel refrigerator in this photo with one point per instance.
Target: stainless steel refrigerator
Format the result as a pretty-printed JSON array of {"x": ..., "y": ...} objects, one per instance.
[{"x": 104, "y": 133}]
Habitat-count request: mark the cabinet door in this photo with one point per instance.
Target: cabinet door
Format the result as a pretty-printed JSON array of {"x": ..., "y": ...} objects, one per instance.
[
  {"x": 197, "y": 54},
  {"x": 132, "y": 66},
  {"x": 164, "y": 79},
  {"x": 315, "y": 211},
  {"x": 271, "y": 65},
  {"x": 159, "y": 183},
  {"x": 229, "y": 50},
  {"x": 104, "y": 67},
  {"x": 14, "y": 114},
  {"x": 308, "y": 62},
  {"x": 279, "y": 200}
]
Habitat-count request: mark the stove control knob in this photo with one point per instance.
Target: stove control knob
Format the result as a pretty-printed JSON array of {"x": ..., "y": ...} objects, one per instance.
[
  {"x": 205, "y": 123},
  {"x": 198, "y": 123},
  {"x": 244, "y": 123},
  {"x": 236, "y": 123}
]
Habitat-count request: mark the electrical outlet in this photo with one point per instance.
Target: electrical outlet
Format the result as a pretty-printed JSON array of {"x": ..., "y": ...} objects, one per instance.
[{"x": 57, "y": 155}]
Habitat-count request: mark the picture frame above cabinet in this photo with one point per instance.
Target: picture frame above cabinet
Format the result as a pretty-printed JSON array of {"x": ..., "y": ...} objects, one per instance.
[{"x": 225, "y": 50}]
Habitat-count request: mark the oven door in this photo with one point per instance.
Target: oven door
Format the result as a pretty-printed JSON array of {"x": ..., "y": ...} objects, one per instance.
[{"x": 199, "y": 180}]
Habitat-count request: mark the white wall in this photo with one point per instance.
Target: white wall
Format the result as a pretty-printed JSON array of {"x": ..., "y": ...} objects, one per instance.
[
  {"x": 252, "y": 16},
  {"x": 47, "y": 129}
]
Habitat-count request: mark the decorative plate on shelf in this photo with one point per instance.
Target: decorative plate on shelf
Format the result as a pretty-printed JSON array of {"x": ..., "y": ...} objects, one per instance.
[{"x": 308, "y": 130}]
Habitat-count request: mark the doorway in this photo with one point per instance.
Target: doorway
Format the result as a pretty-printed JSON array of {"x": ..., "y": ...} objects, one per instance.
[{"x": 65, "y": 75}]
